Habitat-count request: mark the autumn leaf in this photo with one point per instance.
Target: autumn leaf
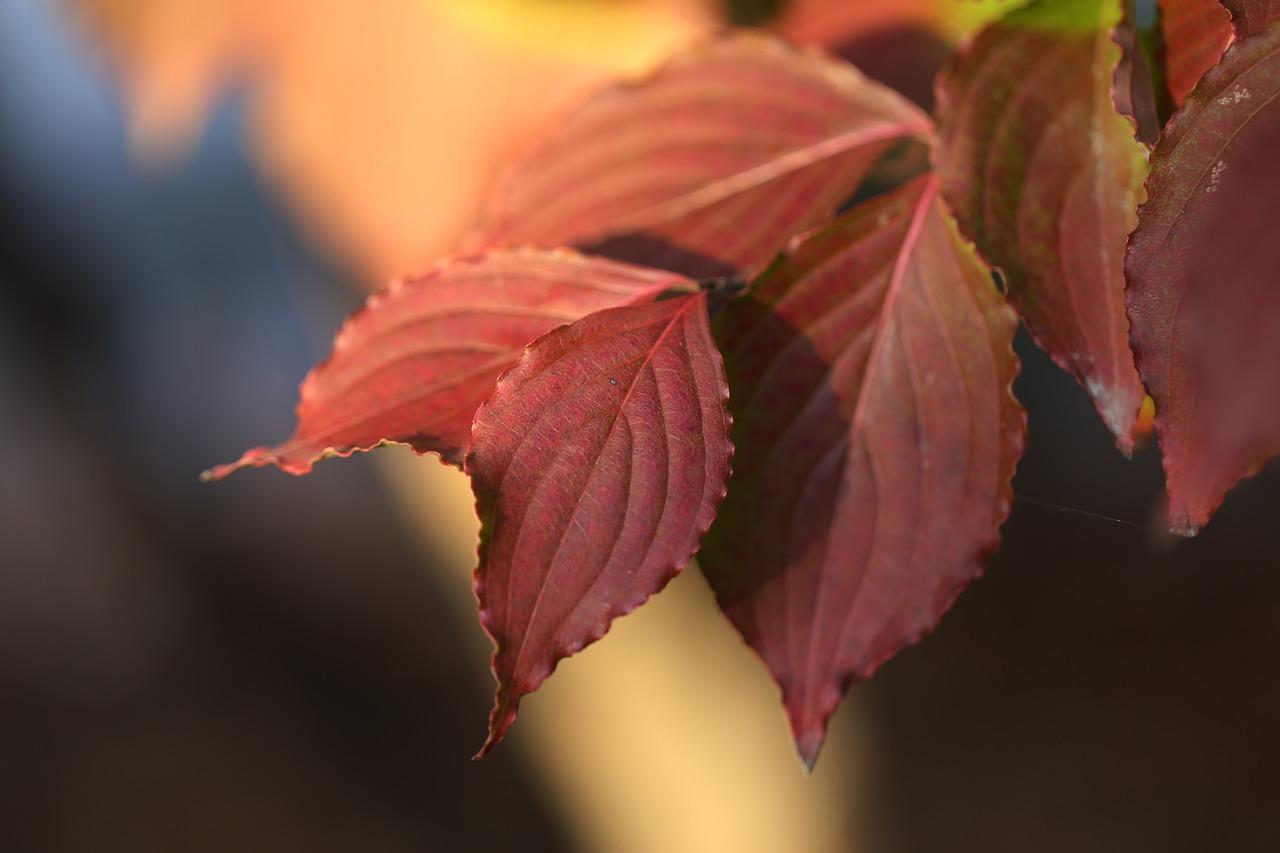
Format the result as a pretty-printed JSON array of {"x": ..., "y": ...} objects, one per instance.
[
  {"x": 710, "y": 164},
  {"x": 1203, "y": 295},
  {"x": 1045, "y": 177},
  {"x": 1252, "y": 17},
  {"x": 413, "y": 366},
  {"x": 876, "y": 433},
  {"x": 1195, "y": 34},
  {"x": 597, "y": 467}
]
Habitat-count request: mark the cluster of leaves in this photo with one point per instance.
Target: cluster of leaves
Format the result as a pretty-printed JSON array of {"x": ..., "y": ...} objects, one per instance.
[{"x": 861, "y": 367}]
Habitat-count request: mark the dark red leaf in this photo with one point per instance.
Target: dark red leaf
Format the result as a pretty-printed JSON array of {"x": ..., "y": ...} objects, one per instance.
[
  {"x": 1252, "y": 17},
  {"x": 876, "y": 433},
  {"x": 1195, "y": 33},
  {"x": 1132, "y": 89},
  {"x": 709, "y": 165},
  {"x": 414, "y": 364},
  {"x": 1204, "y": 281},
  {"x": 1045, "y": 176},
  {"x": 597, "y": 467}
]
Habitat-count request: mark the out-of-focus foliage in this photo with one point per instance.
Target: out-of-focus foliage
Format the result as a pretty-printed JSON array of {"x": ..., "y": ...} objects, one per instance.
[{"x": 382, "y": 122}]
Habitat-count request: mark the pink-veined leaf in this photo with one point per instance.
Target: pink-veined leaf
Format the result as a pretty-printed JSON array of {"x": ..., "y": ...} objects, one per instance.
[
  {"x": 1252, "y": 17},
  {"x": 710, "y": 164},
  {"x": 1204, "y": 281},
  {"x": 1045, "y": 176},
  {"x": 416, "y": 362},
  {"x": 876, "y": 436},
  {"x": 597, "y": 467},
  {"x": 1195, "y": 34}
]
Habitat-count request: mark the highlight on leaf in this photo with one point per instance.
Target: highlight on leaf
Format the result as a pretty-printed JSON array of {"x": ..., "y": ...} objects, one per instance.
[
  {"x": 1202, "y": 267},
  {"x": 876, "y": 436},
  {"x": 1195, "y": 33},
  {"x": 416, "y": 362},
  {"x": 709, "y": 165},
  {"x": 1045, "y": 177},
  {"x": 597, "y": 467}
]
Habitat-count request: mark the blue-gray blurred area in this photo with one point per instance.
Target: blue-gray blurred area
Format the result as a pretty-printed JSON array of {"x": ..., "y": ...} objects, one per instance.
[{"x": 258, "y": 665}]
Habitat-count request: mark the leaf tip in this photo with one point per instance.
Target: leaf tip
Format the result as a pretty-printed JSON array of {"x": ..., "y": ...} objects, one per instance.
[
  {"x": 1182, "y": 524},
  {"x": 500, "y": 720},
  {"x": 1120, "y": 404},
  {"x": 256, "y": 457},
  {"x": 809, "y": 727},
  {"x": 809, "y": 746}
]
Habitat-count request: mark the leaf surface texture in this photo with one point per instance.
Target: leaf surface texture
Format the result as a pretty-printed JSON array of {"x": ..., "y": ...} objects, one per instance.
[
  {"x": 1045, "y": 177},
  {"x": 417, "y": 361},
  {"x": 597, "y": 467},
  {"x": 876, "y": 437}
]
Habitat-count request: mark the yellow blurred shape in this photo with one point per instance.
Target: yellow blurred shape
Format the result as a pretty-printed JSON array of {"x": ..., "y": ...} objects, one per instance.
[
  {"x": 1145, "y": 426},
  {"x": 667, "y": 735},
  {"x": 384, "y": 122},
  {"x": 572, "y": 29}
]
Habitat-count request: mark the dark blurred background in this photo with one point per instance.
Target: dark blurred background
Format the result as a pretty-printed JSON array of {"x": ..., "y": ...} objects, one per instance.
[{"x": 277, "y": 664}]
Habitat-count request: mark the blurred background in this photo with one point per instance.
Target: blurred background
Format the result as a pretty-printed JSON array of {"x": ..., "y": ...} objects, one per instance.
[{"x": 193, "y": 193}]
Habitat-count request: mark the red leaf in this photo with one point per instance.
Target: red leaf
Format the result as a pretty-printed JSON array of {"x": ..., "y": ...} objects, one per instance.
[
  {"x": 1045, "y": 176},
  {"x": 876, "y": 435},
  {"x": 1195, "y": 33},
  {"x": 1252, "y": 17},
  {"x": 709, "y": 165},
  {"x": 597, "y": 467},
  {"x": 417, "y": 361},
  {"x": 1204, "y": 295}
]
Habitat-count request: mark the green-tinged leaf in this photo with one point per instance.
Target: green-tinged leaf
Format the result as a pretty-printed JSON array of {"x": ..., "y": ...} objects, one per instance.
[{"x": 1045, "y": 176}]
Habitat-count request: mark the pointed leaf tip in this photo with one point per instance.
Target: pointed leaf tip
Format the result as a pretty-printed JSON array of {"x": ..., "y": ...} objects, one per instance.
[
  {"x": 260, "y": 457},
  {"x": 501, "y": 718},
  {"x": 1202, "y": 273},
  {"x": 809, "y": 737},
  {"x": 876, "y": 436},
  {"x": 416, "y": 362},
  {"x": 597, "y": 466}
]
